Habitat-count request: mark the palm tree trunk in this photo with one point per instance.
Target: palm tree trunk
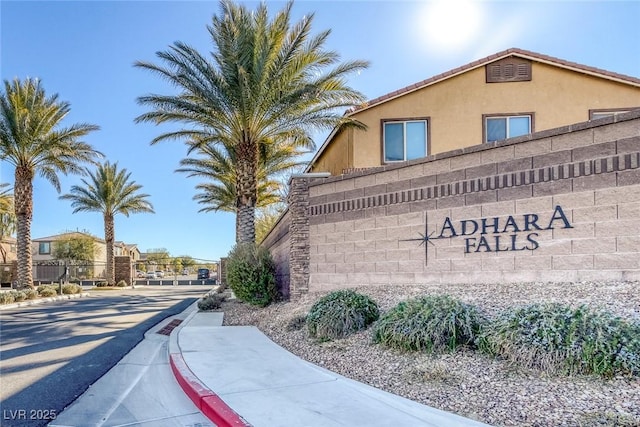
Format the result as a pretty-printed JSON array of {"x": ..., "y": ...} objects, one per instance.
[
  {"x": 23, "y": 194},
  {"x": 109, "y": 238},
  {"x": 246, "y": 191},
  {"x": 237, "y": 226}
]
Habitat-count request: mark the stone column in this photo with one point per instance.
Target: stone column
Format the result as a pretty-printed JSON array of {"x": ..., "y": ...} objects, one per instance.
[
  {"x": 298, "y": 201},
  {"x": 123, "y": 269},
  {"x": 222, "y": 271}
]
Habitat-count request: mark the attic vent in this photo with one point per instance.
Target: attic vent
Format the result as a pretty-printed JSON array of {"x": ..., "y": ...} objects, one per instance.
[{"x": 508, "y": 70}]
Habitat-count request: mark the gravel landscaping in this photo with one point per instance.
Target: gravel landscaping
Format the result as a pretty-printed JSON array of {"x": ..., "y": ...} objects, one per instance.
[{"x": 468, "y": 383}]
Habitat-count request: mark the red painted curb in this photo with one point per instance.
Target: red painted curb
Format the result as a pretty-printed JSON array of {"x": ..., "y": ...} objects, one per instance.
[{"x": 206, "y": 400}]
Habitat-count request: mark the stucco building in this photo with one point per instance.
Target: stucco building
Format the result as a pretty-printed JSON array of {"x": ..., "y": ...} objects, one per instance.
[
  {"x": 515, "y": 168},
  {"x": 511, "y": 93}
]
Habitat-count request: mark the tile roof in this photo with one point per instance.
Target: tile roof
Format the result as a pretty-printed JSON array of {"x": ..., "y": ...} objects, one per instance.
[{"x": 491, "y": 58}]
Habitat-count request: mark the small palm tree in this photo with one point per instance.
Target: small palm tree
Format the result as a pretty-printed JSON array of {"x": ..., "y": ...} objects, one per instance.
[
  {"x": 32, "y": 140},
  {"x": 110, "y": 192},
  {"x": 217, "y": 165},
  {"x": 266, "y": 81}
]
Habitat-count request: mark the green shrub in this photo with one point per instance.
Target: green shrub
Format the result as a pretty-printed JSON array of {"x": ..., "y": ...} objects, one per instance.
[
  {"x": 71, "y": 288},
  {"x": 121, "y": 284},
  {"x": 341, "y": 313},
  {"x": 31, "y": 293},
  {"x": 47, "y": 291},
  {"x": 431, "y": 323},
  {"x": 557, "y": 338},
  {"x": 102, "y": 284},
  {"x": 211, "y": 302},
  {"x": 251, "y": 274},
  {"x": 296, "y": 323},
  {"x": 19, "y": 296},
  {"x": 6, "y": 298}
]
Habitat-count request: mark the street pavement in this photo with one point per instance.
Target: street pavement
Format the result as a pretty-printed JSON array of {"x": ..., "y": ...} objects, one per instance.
[{"x": 141, "y": 390}]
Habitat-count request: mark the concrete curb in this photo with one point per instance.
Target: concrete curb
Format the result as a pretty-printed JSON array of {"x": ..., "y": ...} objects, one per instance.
[
  {"x": 27, "y": 303},
  {"x": 209, "y": 403}
]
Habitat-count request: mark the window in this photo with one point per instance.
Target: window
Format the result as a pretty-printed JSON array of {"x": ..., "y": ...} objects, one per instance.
[
  {"x": 404, "y": 140},
  {"x": 44, "y": 248},
  {"x": 503, "y": 127},
  {"x": 599, "y": 114}
]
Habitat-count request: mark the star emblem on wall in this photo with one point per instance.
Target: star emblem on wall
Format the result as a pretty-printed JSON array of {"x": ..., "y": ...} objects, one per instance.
[{"x": 425, "y": 238}]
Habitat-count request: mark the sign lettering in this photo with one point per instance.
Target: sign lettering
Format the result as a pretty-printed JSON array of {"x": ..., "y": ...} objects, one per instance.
[{"x": 496, "y": 234}]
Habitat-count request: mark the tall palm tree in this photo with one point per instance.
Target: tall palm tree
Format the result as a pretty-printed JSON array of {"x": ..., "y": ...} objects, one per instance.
[
  {"x": 110, "y": 192},
  {"x": 266, "y": 81},
  {"x": 32, "y": 140},
  {"x": 7, "y": 219}
]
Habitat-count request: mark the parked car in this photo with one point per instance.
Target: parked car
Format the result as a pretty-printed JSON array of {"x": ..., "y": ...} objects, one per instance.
[
  {"x": 140, "y": 273},
  {"x": 203, "y": 273},
  {"x": 159, "y": 274},
  {"x": 150, "y": 275}
]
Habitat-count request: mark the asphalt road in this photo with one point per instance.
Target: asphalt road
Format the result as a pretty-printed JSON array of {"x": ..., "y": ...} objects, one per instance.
[{"x": 51, "y": 353}]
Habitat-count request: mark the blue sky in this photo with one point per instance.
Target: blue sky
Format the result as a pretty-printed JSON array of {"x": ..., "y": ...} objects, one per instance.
[{"x": 85, "y": 51}]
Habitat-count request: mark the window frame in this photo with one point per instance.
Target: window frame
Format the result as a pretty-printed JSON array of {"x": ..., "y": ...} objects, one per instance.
[
  {"x": 529, "y": 114},
  {"x": 611, "y": 111},
  {"x": 404, "y": 121},
  {"x": 41, "y": 245}
]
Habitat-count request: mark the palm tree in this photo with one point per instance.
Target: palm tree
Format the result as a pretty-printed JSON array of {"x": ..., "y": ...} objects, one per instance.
[
  {"x": 266, "y": 81},
  {"x": 7, "y": 219},
  {"x": 217, "y": 165},
  {"x": 110, "y": 192},
  {"x": 32, "y": 140}
]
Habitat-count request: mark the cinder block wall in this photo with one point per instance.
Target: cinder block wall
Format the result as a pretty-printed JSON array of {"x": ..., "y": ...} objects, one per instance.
[
  {"x": 279, "y": 245},
  {"x": 558, "y": 205}
]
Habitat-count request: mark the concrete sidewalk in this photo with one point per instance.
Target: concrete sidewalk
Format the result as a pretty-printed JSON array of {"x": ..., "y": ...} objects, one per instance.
[
  {"x": 237, "y": 377},
  {"x": 191, "y": 371}
]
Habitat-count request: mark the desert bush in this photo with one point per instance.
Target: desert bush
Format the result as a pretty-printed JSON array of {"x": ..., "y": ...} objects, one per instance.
[
  {"x": 6, "y": 298},
  {"x": 121, "y": 284},
  {"x": 296, "y": 323},
  {"x": 19, "y": 296},
  {"x": 251, "y": 274},
  {"x": 211, "y": 302},
  {"x": 341, "y": 313},
  {"x": 71, "y": 288},
  {"x": 433, "y": 324},
  {"x": 102, "y": 284},
  {"x": 31, "y": 293},
  {"x": 221, "y": 288},
  {"x": 47, "y": 291},
  {"x": 560, "y": 339}
]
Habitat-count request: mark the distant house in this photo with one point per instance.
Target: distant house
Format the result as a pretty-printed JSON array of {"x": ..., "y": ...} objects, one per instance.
[
  {"x": 9, "y": 250},
  {"x": 511, "y": 93},
  {"x": 133, "y": 252},
  {"x": 126, "y": 249},
  {"x": 42, "y": 253}
]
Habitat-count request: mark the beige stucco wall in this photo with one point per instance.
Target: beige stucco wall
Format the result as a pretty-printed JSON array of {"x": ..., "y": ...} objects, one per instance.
[
  {"x": 455, "y": 108},
  {"x": 339, "y": 155}
]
